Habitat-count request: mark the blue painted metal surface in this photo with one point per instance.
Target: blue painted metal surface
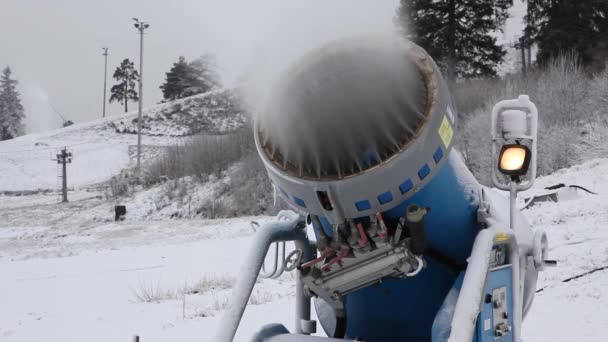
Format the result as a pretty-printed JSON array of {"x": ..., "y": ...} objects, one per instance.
[
  {"x": 424, "y": 171},
  {"x": 451, "y": 222},
  {"x": 438, "y": 155},
  {"x": 385, "y": 197},
  {"x": 442, "y": 325},
  {"x": 299, "y": 202},
  {"x": 363, "y": 205},
  {"x": 406, "y": 186},
  {"x": 404, "y": 309}
]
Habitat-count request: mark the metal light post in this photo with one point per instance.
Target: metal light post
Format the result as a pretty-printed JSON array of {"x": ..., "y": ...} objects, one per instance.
[
  {"x": 140, "y": 26},
  {"x": 514, "y": 134},
  {"x": 105, "y": 80}
]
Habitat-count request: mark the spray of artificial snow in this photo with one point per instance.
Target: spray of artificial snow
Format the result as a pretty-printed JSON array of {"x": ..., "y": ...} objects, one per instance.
[
  {"x": 288, "y": 30},
  {"x": 335, "y": 92},
  {"x": 40, "y": 116},
  {"x": 345, "y": 107}
]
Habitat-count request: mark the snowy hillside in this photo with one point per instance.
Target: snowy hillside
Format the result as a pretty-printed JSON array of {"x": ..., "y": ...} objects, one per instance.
[
  {"x": 104, "y": 147},
  {"x": 70, "y": 278},
  {"x": 214, "y": 112}
]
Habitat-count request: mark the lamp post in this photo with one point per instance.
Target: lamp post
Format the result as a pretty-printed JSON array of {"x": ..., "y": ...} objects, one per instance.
[
  {"x": 140, "y": 26},
  {"x": 514, "y": 133},
  {"x": 105, "y": 77}
]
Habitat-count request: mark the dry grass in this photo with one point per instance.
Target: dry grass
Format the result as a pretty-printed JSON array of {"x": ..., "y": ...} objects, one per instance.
[
  {"x": 568, "y": 100},
  {"x": 248, "y": 191},
  {"x": 153, "y": 293},
  {"x": 260, "y": 297},
  {"x": 202, "y": 155},
  {"x": 149, "y": 292},
  {"x": 208, "y": 283}
]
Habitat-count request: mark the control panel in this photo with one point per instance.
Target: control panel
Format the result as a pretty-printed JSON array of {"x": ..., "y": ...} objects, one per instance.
[
  {"x": 500, "y": 312},
  {"x": 495, "y": 322}
]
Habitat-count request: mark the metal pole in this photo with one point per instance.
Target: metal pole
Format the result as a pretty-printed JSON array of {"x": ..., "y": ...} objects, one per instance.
[
  {"x": 64, "y": 161},
  {"x": 141, "y": 95},
  {"x": 303, "y": 322},
  {"x": 523, "y": 55},
  {"x": 512, "y": 204},
  {"x": 290, "y": 229},
  {"x": 105, "y": 78}
]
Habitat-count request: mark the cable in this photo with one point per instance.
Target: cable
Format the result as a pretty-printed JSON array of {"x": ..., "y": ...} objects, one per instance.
[
  {"x": 580, "y": 187},
  {"x": 46, "y": 148},
  {"x": 575, "y": 277},
  {"x": 417, "y": 270}
]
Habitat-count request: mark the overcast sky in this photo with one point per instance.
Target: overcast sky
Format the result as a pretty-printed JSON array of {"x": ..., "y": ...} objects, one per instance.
[{"x": 54, "y": 46}]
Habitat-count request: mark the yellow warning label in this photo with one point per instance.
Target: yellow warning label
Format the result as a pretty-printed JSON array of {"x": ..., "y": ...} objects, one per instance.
[
  {"x": 501, "y": 237},
  {"x": 446, "y": 132}
]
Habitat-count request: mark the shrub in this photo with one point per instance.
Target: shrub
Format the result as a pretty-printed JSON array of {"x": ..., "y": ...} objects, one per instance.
[
  {"x": 120, "y": 185},
  {"x": 570, "y": 103},
  {"x": 251, "y": 188},
  {"x": 201, "y": 155},
  {"x": 230, "y": 160},
  {"x": 471, "y": 95}
]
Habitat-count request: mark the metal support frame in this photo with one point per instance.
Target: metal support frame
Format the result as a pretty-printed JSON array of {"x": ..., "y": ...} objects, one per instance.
[
  {"x": 290, "y": 227},
  {"x": 63, "y": 158},
  {"x": 473, "y": 287},
  {"x": 512, "y": 205},
  {"x": 277, "y": 270}
]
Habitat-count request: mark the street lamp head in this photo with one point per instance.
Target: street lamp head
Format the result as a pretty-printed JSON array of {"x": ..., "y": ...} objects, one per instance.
[
  {"x": 146, "y": 25},
  {"x": 135, "y": 19},
  {"x": 136, "y": 25},
  {"x": 514, "y": 160}
]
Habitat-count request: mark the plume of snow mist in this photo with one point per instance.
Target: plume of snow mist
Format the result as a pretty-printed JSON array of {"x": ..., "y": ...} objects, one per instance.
[
  {"x": 39, "y": 113},
  {"x": 344, "y": 108},
  {"x": 288, "y": 30}
]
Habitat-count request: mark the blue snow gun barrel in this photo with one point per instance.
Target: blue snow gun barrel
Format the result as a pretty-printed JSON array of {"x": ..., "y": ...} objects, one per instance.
[{"x": 359, "y": 136}]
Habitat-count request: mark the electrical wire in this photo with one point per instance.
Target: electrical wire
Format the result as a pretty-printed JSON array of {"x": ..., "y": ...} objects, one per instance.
[{"x": 45, "y": 148}]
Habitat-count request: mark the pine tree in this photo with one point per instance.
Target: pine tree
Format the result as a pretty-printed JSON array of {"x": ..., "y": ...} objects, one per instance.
[
  {"x": 457, "y": 34},
  {"x": 187, "y": 79},
  {"x": 124, "y": 91},
  {"x": 173, "y": 88},
  {"x": 561, "y": 26},
  {"x": 11, "y": 110},
  {"x": 203, "y": 76}
]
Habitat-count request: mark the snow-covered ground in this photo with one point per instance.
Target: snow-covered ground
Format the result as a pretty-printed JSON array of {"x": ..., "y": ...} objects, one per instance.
[
  {"x": 117, "y": 280},
  {"x": 71, "y": 279},
  {"x": 578, "y": 237},
  {"x": 26, "y": 163},
  {"x": 100, "y": 151}
]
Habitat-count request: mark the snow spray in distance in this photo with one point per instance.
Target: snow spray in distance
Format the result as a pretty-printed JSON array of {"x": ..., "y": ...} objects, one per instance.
[{"x": 40, "y": 116}]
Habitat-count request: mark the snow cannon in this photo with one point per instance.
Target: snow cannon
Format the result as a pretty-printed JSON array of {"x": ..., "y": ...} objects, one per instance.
[{"x": 408, "y": 246}]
